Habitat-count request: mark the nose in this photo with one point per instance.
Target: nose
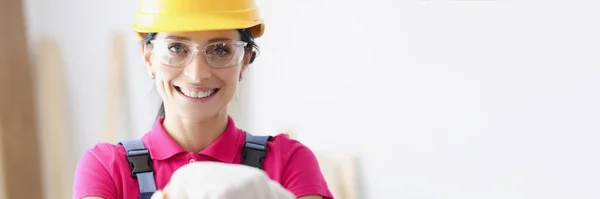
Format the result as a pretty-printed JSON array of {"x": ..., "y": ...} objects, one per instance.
[{"x": 198, "y": 69}]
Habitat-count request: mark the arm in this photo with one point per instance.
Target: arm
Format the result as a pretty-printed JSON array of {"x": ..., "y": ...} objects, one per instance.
[
  {"x": 302, "y": 174},
  {"x": 92, "y": 179}
]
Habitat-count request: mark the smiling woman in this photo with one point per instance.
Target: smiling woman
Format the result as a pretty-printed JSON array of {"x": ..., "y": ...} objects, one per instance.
[
  {"x": 196, "y": 70},
  {"x": 221, "y": 51},
  {"x": 196, "y": 52}
]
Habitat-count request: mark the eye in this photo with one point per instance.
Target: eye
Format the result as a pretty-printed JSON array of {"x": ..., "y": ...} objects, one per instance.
[
  {"x": 178, "y": 48},
  {"x": 220, "y": 50}
]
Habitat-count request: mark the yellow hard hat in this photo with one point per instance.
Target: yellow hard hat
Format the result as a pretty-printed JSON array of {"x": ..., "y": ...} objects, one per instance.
[{"x": 197, "y": 15}]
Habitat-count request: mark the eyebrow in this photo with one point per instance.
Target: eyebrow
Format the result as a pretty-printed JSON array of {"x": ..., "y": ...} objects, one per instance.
[
  {"x": 188, "y": 39},
  {"x": 178, "y": 38}
]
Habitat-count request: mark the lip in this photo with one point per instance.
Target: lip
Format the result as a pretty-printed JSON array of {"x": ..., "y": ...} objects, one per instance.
[{"x": 196, "y": 88}]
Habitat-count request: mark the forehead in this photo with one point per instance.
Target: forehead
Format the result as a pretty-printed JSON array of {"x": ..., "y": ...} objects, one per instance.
[{"x": 201, "y": 36}]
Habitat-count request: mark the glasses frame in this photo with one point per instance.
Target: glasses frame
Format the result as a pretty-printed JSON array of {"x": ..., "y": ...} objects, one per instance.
[{"x": 199, "y": 48}]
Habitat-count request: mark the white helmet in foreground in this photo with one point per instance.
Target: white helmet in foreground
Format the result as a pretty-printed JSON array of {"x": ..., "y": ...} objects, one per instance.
[{"x": 213, "y": 180}]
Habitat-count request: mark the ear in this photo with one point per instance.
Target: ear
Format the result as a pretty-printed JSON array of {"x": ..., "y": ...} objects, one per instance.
[
  {"x": 150, "y": 72},
  {"x": 248, "y": 58},
  {"x": 242, "y": 72},
  {"x": 146, "y": 56}
]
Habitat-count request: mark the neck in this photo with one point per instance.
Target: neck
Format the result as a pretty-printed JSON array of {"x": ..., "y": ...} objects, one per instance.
[{"x": 195, "y": 136}]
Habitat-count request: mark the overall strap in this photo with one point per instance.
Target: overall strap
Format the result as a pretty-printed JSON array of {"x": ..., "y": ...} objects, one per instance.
[
  {"x": 255, "y": 150},
  {"x": 140, "y": 163}
]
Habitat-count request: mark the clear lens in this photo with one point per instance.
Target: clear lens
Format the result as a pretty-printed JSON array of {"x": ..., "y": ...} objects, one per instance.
[
  {"x": 177, "y": 53},
  {"x": 172, "y": 53}
]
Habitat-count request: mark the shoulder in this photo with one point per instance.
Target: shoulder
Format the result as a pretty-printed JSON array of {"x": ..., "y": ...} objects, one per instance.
[
  {"x": 104, "y": 152},
  {"x": 289, "y": 148},
  {"x": 284, "y": 142},
  {"x": 97, "y": 172},
  {"x": 103, "y": 156},
  {"x": 282, "y": 151},
  {"x": 300, "y": 169}
]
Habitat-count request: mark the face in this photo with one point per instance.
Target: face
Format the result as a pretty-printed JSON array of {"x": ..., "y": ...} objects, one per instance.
[{"x": 196, "y": 73}]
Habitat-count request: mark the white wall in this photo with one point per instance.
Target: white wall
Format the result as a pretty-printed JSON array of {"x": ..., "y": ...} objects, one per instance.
[{"x": 439, "y": 99}]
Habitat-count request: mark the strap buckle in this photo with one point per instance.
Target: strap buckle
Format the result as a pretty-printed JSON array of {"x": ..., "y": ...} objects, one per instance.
[
  {"x": 139, "y": 162},
  {"x": 254, "y": 154}
]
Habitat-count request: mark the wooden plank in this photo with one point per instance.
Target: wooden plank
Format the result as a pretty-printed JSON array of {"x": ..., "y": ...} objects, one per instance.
[
  {"x": 115, "y": 80},
  {"x": 20, "y": 168},
  {"x": 3, "y": 178},
  {"x": 341, "y": 174},
  {"x": 53, "y": 121}
]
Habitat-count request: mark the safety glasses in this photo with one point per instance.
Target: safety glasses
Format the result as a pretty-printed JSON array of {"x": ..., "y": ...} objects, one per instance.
[{"x": 179, "y": 53}]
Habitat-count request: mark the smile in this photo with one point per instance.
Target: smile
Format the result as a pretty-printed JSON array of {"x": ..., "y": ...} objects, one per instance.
[{"x": 197, "y": 94}]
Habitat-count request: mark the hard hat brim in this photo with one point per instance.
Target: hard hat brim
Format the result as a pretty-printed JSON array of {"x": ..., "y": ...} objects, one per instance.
[{"x": 205, "y": 22}]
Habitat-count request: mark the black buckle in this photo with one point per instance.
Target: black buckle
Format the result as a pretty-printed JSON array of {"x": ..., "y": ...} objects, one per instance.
[
  {"x": 139, "y": 164},
  {"x": 253, "y": 155}
]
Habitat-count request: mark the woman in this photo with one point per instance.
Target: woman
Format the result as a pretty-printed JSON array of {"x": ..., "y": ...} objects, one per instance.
[{"x": 196, "y": 51}]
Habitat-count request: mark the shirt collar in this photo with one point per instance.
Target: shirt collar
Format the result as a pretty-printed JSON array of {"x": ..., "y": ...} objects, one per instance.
[{"x": 225, "y": 149}]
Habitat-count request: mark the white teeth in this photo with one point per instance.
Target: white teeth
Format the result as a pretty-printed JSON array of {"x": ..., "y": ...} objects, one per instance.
[
  {"x": 205, "y": 93},
  {"x": 199, "y": 94}
]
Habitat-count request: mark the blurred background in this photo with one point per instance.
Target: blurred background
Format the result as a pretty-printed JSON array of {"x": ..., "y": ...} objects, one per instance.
[{"x": 431, "y": 99}]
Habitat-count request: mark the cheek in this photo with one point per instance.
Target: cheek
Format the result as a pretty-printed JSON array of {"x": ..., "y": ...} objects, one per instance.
[
  {"x": 164, "y": 75},
  {"x": 229, "y": 77}
]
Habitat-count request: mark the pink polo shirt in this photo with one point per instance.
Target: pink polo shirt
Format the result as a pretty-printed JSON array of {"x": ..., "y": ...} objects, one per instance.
[{"x": 103, "y": 171}]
